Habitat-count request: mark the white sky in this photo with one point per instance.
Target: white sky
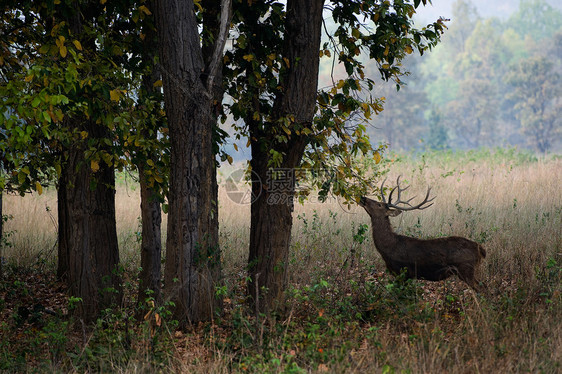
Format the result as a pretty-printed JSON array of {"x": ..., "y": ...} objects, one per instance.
[{"x": 486, "y": 8}]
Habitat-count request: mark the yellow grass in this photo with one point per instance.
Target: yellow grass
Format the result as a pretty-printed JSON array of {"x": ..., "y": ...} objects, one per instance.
[
  {"x": 513, "y": 207},
  {"x": 517, "y": 205}
]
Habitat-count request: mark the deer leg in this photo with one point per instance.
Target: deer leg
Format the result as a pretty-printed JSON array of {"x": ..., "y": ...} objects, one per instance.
[{"x": 466, "y": 274}]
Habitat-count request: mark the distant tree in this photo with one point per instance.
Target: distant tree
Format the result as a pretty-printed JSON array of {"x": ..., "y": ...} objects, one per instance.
[
  {"x": 438, "y": 138},
  {"x": 473, "y": 113},
  {"x": 537, "y": 93},
  {"x": 402, "y": 121},
  {"x": 464, "y": 76},
  {"x": 536, "y": 18},
  {"x": 557, "y": 46},
  {"x": 441, "y": 67},
  {"x": 465, "y": 17},
  {"x": 472, "y": 116}
]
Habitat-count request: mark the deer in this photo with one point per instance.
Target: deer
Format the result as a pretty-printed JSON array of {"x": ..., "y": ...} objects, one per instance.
[{"x": 431, "y": 259}]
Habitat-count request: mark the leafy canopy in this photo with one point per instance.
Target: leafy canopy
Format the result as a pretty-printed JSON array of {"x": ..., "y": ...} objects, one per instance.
[
  {"x": 382, "y": 32},
  {"x": 58, "y": 72}
]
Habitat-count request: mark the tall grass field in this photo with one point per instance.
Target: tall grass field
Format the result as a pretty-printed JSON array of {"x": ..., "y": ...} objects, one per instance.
[{"x": 343, "y": 311}]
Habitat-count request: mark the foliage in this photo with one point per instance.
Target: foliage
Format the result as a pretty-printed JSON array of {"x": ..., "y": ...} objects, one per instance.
[
  {"x": 537, "y": 92},
  {"x": 255, "y": 67},
  {"x": 536, "y": 19},
  {"x": 466, "y": 79},
  {"x": 404, "y": 109},
  {"x": 437, "y": 139},
  {"x": 53, "y": 76}
]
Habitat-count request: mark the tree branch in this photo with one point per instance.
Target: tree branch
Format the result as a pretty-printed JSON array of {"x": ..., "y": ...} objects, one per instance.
[{"x": 214, "y": 65}]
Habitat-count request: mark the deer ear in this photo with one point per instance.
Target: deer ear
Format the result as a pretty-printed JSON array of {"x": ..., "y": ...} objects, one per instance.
[{"x": 393, "y": 212}]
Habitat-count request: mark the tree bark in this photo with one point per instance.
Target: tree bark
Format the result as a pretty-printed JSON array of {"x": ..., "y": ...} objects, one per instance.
[
  {"x": 271, "y": 220},
  {"x": 1, "y": 233},
  {"x": 63, "y": 225},
  {"x": 192, "y": 253},
  {"x": 150, "y": 276},
  {"x": 87, "y": 226},
  {"x": 93, "y": 253},
  {"x": 151, "y": 245},
  {"x": 211, "y": 27}
]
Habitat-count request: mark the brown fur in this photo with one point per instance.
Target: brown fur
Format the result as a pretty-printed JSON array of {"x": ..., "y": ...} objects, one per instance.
[{"x": 433, "y": 259}]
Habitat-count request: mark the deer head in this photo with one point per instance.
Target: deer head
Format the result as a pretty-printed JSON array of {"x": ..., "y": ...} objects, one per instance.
[{"x": 390, "y": 208}]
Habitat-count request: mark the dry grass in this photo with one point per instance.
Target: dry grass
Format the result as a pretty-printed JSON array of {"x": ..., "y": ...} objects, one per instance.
[{"x": 512, "y": 205}]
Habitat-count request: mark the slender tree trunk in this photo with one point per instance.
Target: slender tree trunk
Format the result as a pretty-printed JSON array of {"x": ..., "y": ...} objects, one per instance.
[
  {"x": 63, "y": 226},
  {"x": 151, "y": 212},
  {"x": 151, "y": 245},
  {"x": 192, "y": 253},
  {"x": 1, "y": 233},
  {"x": 272, "y": 220},
  {"x": 211, "y": 27},
  {"x": 93, "y": 253}
]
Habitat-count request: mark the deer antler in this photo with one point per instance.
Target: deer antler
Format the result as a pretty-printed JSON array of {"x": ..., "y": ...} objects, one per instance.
[{"x": 406, "y": 204}]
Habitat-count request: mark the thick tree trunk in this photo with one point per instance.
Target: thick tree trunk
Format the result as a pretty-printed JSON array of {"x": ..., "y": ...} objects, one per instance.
[
  {"x": 270, "y": 228},
  {"x": 87, "y": 226},
  {"x": 272, "y": 220},
  {"x": 93, "y": 253},
  {"x": 192, "y": 253}
]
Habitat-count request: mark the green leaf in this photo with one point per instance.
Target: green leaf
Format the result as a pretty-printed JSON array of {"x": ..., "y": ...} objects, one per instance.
[
  {"x": 21, "y": 177},
  {"x": 46, "y": 116}
]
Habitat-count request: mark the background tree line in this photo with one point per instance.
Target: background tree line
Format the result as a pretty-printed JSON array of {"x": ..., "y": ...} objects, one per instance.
[{"x": 490, "y": 82}]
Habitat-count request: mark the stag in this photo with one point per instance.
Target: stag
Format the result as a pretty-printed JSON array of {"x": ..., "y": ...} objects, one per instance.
[{"x": 433, "y": 259}]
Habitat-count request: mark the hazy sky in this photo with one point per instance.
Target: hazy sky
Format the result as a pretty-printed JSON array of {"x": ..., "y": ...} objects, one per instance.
[{"x": 486, "y": 8}]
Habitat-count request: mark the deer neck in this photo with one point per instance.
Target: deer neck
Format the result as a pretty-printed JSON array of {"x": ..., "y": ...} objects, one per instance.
[{"x": 383, "y": 236}]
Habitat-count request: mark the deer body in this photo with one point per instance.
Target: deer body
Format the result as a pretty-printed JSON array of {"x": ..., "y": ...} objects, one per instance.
[{"x": 433, "y": 259}]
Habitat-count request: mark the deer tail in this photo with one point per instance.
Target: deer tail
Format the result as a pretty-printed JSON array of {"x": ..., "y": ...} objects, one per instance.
[{"x": 481, "y": 251}]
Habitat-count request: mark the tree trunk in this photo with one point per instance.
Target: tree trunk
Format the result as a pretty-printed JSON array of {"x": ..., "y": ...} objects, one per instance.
[
  {"x": 211, "y": 27},
  {"x": 151, "y": 213},
  {"x": 93, "y": 253},
  {"x": 151, "y": 245},
  {"x": 270, "y": 228},
  {"x": 63, "y": 226},
  {"x": 192, "y": 253},
  {"x": 87, "y": 225},
  {"x": 272, "y": 220},
  {"x": 1, "y": 233}
]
